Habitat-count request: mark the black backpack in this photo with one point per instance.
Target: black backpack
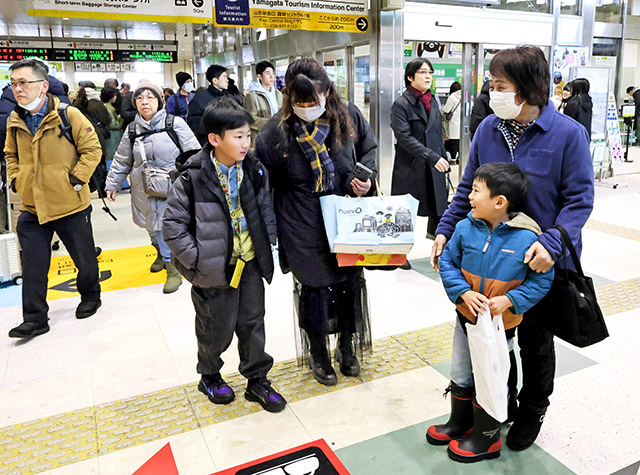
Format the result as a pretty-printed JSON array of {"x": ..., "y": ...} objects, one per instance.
[
  {"x": 99, "y": 177},
  {"x": 98, "y": 180}
]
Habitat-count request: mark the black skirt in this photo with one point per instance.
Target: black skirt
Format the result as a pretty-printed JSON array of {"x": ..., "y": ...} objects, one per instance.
[{"x": 341, "y": 308}]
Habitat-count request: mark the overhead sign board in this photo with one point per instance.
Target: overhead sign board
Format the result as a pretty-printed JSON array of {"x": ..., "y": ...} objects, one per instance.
[
  {"x": 172, "y": 11},
  {"x": 92, "y": 55},
  {"x": 157, "y": 56},
  {"x": 16, "y": 54},
  {"x": 315, "y": 15}
]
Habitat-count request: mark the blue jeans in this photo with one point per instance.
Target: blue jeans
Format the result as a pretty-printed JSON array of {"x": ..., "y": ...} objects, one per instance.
[
  {"x": 158, "y": 240},
  {"x": 461, "y": 371}
]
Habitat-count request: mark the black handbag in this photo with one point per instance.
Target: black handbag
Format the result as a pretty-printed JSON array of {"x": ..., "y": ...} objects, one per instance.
[{"x": 570, "y": 310}]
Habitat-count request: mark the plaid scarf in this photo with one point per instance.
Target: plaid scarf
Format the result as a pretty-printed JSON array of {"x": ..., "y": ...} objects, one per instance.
[
  {"x": 311, "y": 138},
  {"x": 512, "y": 131}
]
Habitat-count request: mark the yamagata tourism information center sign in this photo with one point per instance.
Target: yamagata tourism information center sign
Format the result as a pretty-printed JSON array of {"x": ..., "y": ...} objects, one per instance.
[{"x": 316, "y": 15}]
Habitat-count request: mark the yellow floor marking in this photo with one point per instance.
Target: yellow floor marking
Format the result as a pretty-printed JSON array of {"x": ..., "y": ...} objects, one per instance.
[
  {"x": 119, "y": 269},
  {"x": 614, "y": 229},
  {"x": 63, "y": 439},
  {"x": 52, "y": 442}
]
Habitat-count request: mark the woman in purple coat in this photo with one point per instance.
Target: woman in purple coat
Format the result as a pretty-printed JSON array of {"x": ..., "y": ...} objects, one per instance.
[{"x": 553, "y": 150}]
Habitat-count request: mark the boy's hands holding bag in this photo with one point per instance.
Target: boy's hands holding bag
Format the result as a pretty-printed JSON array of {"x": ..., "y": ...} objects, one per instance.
[
  {"x": 475, "y": 301},
  {"x": 498, "y": 304}
]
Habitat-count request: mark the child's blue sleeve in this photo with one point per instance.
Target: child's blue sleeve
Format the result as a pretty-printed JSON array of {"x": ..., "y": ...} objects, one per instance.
[
  {"x": 451, "y": 268},
  {"x": 531, "y": 291}
]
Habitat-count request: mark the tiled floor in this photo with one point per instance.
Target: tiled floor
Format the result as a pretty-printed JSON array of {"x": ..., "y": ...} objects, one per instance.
[{"x": 142, "y": 342}]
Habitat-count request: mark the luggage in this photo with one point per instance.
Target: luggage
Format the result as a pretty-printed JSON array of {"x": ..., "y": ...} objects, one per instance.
[
  {"x": 10, "y": 269},
  {"x": 10, "y": 266}
]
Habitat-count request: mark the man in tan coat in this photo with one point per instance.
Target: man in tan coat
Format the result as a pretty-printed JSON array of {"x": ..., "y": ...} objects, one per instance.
[
  {"x": 51, "y": 175},
  {"x": 263, "y": 99}
]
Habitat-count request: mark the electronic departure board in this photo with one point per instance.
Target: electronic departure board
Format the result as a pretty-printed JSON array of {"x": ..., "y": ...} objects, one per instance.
[
  {"x": 16, "y": 54},
  {"x": 147, "y": 55},
  {"x": 91, "y": 55},
  {"x": 88, "y": 55}
]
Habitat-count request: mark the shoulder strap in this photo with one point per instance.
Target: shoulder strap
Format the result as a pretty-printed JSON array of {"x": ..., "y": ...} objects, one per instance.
[
  {"x": 168, "y": 125},
  {"x": 572, "y": 250},
  {"x": 168, "y": 128},
  {"x": 131, "y": 131},
  {"x": 14, "y": 131},
  {"x": 65, "y": 125}
]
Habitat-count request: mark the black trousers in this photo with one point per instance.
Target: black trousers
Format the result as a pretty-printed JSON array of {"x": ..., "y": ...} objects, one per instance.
[
  {"x": 538, "y": 356},
  {"x": 35, "y": 239},
  {"x": 220, "y": 312}
]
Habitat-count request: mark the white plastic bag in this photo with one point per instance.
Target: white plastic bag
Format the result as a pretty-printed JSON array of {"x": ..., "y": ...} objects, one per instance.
[{"x": 490, "y": 362}]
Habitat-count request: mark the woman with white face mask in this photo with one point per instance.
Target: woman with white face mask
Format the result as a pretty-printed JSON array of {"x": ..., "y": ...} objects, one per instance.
[
  {"x": 553, "y": 150},
  {"x": 309, "y": 148},
  {"x": 178, "y": 104}
]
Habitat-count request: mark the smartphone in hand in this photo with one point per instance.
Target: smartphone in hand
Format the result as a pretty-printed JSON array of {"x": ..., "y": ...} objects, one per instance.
[{"x": 360, "y": 172}]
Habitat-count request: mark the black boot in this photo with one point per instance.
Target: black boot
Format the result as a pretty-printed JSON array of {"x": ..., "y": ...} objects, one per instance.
[
  {"x": 512, "y": 384},
  {"x": 320, "y": 362},
  {"x": 345, "y": 356},
  {"x": 483, "y": 443},
  {"x": 525, "y": 428},
  {"x": 460, "y": 421}
]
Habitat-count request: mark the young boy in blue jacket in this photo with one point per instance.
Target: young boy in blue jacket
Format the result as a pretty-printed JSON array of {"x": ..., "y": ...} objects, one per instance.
[
  {"x": 482, "y": 267},
  {"x": 220, "y": 225}
]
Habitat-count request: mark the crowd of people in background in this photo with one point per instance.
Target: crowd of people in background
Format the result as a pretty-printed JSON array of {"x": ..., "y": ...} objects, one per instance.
[{"x": 237, "y": 150}]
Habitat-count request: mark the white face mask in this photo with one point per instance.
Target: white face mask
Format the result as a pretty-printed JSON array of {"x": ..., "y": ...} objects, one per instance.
[
  {"x": 188, "y": 86},
  {"x": 503, "y": 104},
  {"x": 310, "y": 114},
  {"x": 33, "y": 104}
]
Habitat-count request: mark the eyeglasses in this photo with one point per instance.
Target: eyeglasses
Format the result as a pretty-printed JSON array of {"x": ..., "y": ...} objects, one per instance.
[
  {"x": 150, "y": 97},
  {"x": 425, "y": 72},
  {"x": 23, "y": 83}
]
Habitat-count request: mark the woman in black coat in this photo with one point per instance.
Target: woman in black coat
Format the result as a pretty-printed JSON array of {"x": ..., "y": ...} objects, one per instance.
[
  {"x": 579, "y": 106},
  {"x": 420, "y": 166},
  {"x": 328, "y": 299}
]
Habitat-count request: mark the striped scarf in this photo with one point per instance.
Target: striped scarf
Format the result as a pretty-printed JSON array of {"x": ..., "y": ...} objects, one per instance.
[{"x": 311, "y": 138}]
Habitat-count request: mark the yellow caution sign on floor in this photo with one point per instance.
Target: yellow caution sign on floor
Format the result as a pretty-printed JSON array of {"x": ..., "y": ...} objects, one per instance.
[{"x": 119, "y": 269}]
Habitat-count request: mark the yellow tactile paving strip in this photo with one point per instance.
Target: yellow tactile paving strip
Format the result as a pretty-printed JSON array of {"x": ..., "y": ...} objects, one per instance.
[
  {"x": 619, "y": 297},
  {"x": 51, "y": 442},
  {"x": 613, "y": 229},
  {"x": 63, "y": 439}
]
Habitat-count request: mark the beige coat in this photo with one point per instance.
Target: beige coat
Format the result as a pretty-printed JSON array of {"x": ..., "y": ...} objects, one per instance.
[
  {"x": 257, "y": 104},
  {"x": 41, "y": 164}
]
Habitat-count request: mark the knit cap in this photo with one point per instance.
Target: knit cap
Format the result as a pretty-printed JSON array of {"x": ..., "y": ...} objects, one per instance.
[
  {"x": 155, "y": 90},
  {"x": 182, "y": 77}
]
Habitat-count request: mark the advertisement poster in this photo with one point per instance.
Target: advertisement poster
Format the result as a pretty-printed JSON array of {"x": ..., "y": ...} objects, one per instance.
[
  {"x": 313, "y": 15},
  {"x": 185, "y": 11},
  {"x": 565, "y": 58},
  {"x": 613, "y": 134}
]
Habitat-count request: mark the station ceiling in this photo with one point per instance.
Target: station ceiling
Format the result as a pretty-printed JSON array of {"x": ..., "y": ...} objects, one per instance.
[{"x": 15, "y": 22}]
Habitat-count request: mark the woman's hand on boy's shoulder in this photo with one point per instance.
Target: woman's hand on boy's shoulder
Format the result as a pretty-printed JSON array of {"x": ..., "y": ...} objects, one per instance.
[{"x": 538, "y": 258}]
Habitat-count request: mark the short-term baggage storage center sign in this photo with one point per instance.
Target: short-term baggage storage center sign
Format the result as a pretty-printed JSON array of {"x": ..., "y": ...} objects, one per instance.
[
  {"x": 184, "y": 11},
  {"x": 319, "y": 15}
]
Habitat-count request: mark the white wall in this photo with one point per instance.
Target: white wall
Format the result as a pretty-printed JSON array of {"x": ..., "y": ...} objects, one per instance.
[{"x": 431, "y": 22}]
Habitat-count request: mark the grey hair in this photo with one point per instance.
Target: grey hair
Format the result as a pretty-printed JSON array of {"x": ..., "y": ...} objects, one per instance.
[{"x": 40, "y": 70}]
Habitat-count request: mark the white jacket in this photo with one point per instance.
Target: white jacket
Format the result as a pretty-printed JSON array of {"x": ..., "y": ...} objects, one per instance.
[{"x": 453, "y": 104}]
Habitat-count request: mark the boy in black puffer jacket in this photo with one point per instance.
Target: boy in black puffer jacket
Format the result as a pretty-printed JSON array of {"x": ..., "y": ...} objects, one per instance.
[{"x": 220, "y": 226}]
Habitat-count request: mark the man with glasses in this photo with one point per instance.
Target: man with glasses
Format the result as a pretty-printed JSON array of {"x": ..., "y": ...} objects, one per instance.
[
  {"x": 219, "y": 83},
  {"x": 7, "y": 105},
  {"x": 50, "y": 174}
]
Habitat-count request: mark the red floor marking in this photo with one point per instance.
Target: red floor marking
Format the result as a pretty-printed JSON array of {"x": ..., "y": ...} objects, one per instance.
[{"x": 162, "y": 463}]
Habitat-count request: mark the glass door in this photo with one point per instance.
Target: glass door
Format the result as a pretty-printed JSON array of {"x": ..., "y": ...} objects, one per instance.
[{"x": 334, "y": 63}]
